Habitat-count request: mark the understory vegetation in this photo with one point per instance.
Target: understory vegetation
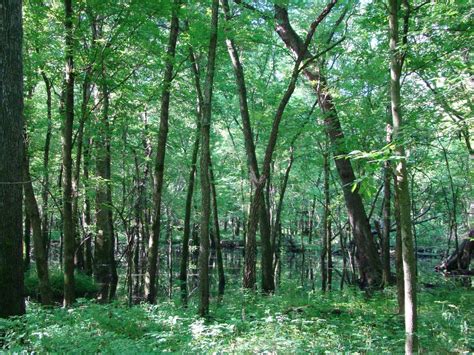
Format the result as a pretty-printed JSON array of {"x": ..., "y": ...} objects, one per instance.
[{"x": 295, "y": 320}]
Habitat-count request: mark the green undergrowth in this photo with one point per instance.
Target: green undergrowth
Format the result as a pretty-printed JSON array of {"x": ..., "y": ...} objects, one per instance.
[
  {"x": 293, "y": 320},
  {"x": 84, "y": 285}
]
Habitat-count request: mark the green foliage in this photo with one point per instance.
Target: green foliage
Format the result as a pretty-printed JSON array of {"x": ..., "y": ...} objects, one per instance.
[
  {"x": 85, "y": 285},
  {"x": 292, "y": 320}
]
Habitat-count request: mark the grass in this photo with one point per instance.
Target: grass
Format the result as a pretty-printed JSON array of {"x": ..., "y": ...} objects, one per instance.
[{"x": 294, "y": 320}]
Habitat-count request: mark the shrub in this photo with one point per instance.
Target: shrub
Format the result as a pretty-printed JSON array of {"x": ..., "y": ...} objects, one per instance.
[{"x": 85, "y": 285}]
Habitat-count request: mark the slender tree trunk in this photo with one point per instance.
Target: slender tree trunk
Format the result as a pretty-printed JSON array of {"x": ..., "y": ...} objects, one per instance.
[
  {"x": 217, "y": 234},
  {"x": 87, "y": 219},
  {"x": 183, "y": 274},
  {"x": 204, "y": 168},
  {"x": 387, "y": 178},
  {"x": 12, "y": 302},
  {"x": 86, "y": 93},
  {"x": 326, "y": 224},
  {"x": 27, "y": 240},
  {"x": 151, "y": 273},
  {"x": 68, "y": 222},
  {"x": 47, "y": 145},
  {"x": 268, "y": 284},
  {"x": 276, "y": 231},
  {"x": 370, "y": 267},
  {"x": 39, "y": 246},
  {"x": 401, "y": 176}
]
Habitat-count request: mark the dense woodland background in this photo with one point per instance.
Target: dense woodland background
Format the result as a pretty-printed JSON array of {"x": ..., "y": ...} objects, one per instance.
[{"x": 291, "y": 171}]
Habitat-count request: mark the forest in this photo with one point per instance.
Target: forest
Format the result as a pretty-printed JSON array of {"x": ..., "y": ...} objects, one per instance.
[{"x": 245, "y": 176}]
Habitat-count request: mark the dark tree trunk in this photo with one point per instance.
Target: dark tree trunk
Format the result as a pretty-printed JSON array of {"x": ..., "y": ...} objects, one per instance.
[
  {"x": 47, "y": 145},
  {"x": 204, "y": 168},
  {"x": 87, "y": 218},
  {"x": 39, "y": 246},
  {"x": 68, "y": 222},
  {"x": 86, "y": 93},
  {"x": 183, "y": 274},
  {"x": 370, "y": 267},
  {"x": 276, "y": 231},
  {"x": 217, "y": 234},
  {"x": 263, "y": 216},
  {"x": 11, "y": 157},
  {"x": 326, "y": 225},
  {"x": 104, "y": 242},
  {"x": 152, "y": 266}
]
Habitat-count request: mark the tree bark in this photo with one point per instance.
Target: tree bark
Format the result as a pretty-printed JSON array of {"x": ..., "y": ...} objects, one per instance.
[
  {"x": 39, "y": 246},
  {"x": 183, "y": 274},
  {"x": 47, "y": 146},
  {"x": 268, "y": 284},
  {"x": 87, "y": 218},
  {"x": 86, "y": 93},
  {"x": 370, "y": 267},
  {"x": 204, "y": 168},
  {"x": 27, "y": 241},
  {"x": 151, "y": 272},
  {"x": 11, "y": 157},
  {"x": 326, "y": 225},
  {"x": 401, "y": 176},
  {"x": 217, "y": 234},
  {"x": 68, "y": 222},
  {"x": 387, "y": 177},
  {"x": 103, "y": 251}
]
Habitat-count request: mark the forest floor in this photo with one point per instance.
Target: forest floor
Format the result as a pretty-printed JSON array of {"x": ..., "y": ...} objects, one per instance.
[{"x": 293, "y": 320}]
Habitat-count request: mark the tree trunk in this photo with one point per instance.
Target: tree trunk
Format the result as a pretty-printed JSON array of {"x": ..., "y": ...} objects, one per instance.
[
  {"x": 86, "y": 93},
  {"x": 47, "y": 145},
  {"x": 87, "y": 218},
  {"x": 401, "y": 176},
  {"x": 183, "y": 274},
  {"x": 326, "y": 225},
  {"x": 27, "y": 241},
  {"x": 217, "y": 234},
  {"x": 39, "y": 246},
  {"x": 12, "y": 302},
  {"x": 151, "y": 273},
  {"x": 370, "y": 267},
  {"x": 276, "y": 231},
  {"x": 268, "y": 284},
  {"x": 387, "y": 177},
  {"x": 204, "y": 169},
  {"x": 68, "y": 222}
]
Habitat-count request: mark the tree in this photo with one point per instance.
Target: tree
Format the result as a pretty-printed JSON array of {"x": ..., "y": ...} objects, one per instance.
[
  {"x": 150, "y": 278},
  {"x": 11, "y": 157},
  {"x": 370, "y": 267},
  {"x": 68, "y": 111},
  {"x": 40, "y": 251},
  {"x": 204, "y": 168},
  {"x": 401, "y": 174}
]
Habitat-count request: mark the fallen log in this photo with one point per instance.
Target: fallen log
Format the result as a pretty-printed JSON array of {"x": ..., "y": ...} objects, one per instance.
[{"x": 460, "y": 260}]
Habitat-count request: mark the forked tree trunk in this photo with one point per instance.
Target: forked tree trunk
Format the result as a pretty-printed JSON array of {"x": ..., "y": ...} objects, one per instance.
[
  {"x": 370, "y": 267},
  {"x": 39, "y": 247},
  {"x": 268, "y": 284}
]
